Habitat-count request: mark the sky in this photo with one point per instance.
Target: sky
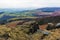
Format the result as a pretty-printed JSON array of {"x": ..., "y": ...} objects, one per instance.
[{"x": 29, "y": 3}]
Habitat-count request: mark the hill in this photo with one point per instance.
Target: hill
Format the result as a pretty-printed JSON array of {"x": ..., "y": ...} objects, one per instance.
[
  {"x": 6, "y": 14},
  {"x": 49, "y": 9}
]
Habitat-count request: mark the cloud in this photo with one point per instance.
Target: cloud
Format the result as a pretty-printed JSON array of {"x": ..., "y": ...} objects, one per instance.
[{"x": 29, "y": 3}]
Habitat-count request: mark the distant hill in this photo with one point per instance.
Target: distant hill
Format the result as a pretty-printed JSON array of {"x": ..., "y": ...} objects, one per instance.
[
  {"x": 6, "y": 14},
  {"x": 49, "y": 9}
]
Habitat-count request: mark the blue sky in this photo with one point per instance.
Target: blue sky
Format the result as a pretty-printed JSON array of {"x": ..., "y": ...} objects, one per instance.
[{"x": 29, "y": 3}]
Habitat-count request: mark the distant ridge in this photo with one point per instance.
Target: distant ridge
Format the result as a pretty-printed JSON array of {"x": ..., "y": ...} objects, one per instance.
[
  {"x": 45, "y": 9},
  {"x": 49, "y": 9},
  {"x": 6, "y": 14}
]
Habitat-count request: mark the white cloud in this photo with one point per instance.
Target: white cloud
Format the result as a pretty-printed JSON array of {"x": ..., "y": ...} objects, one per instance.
[{"x": 29, "y": 3}]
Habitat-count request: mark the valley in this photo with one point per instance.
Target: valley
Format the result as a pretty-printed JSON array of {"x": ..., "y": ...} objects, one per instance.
[{"x": 37, "y": 24}]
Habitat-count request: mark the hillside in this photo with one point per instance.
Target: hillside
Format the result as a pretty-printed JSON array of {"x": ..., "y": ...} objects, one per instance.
[{"x": 16, "y": 24}]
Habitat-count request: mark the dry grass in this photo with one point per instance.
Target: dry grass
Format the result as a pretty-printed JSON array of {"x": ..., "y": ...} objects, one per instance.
[{"x": 19, "y": 33}]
